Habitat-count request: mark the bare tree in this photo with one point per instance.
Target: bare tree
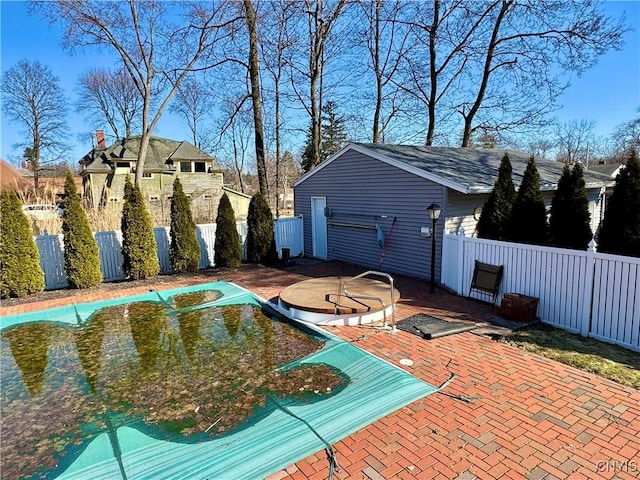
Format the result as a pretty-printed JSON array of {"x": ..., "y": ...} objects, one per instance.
[
  {"x": 159, "y": 44},
  {"x": 32, "y": 97},
  {"x": 627, "y": 136},
  {"x": 575, "y": 141},
  {"x": 235, "y": 139},
  {"x": 441, "y": 33},
  {"x": 320, "y": 22},
  {"x": 512, "y": 59},
  {"x": 495, "y": 62},
  {"x": 111, "y": 97},
  {"x": 540, "y": 147},
  {"x": 194, "y": 102},
  {"x": 386, "y": 35},
  {"x": 275, "y": 45},
  {"x": 253, "y": 64}
]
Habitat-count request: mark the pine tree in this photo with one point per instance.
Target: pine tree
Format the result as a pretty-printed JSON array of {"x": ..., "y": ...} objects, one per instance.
[
  {"x": 497, "y": 208},
  {"x": 227, "y": 246},
  {"x": 81, "y": 253},
  {"x": 308, "y": 153},
  {"x": 138, "y": 242},
  {"x": 184, "y": 252},
  {"x": 582, "y": 218},
  {"x": 620, "y": 230},
  {"x": 528, "y": 219},
  {"x": 570, "y": 222},
  {"x": 334, "y": 135},
  {"x": 261, "y": 244},
  {"x": 20, "y": 272}
]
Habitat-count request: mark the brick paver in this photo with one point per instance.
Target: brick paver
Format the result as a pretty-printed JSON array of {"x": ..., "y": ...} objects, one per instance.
[{"x": 529, "y": 417}]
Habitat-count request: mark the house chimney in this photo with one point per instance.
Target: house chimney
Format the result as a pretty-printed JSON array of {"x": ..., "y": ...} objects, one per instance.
[{"x": 100, "y": 139}]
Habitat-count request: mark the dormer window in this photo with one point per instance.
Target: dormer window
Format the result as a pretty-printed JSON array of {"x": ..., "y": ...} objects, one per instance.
[
  {"x": 185, "y": 166},
  {"x": 122, "y": 165},
  {"x": 200, "y": 167}
]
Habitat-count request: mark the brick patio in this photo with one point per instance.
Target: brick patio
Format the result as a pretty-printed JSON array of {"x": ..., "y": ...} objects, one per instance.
[{"x": 530, "y": 417}]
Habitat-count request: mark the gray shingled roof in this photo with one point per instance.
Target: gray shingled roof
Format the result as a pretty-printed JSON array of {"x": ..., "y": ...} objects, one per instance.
[
  {"x": 610, "y": 169},
  {"x": 473, "y": 170},
  {"x": 160, "y": 150}
]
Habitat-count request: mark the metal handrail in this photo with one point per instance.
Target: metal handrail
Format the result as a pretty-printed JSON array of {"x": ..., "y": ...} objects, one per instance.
[{"x": 393, "y": 302}]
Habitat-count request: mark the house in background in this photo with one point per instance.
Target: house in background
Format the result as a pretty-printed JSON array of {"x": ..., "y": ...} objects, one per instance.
[
  {"x": 367, "y": 203},
  {"x": 104, "y": 170},
  {"x": 12, "y": 178},
  {"x": 51, "y": 183}
]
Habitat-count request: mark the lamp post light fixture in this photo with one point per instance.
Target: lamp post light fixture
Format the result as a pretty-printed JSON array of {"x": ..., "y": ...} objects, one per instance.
[{"x": 434, "y": 210}]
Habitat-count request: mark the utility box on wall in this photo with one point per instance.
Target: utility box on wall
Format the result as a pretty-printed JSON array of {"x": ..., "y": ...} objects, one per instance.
[{"x": 520, "y": 308}]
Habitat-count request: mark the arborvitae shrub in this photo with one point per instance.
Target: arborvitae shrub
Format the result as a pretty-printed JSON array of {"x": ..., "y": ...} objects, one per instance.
[
  {"x": 81, "y": 253},
  {"x": 227, "y": 246},
  {"x": 184, "y": 253},
  {"x": 20, "y": 272},
  {"x": 261, "y": 244},
  {"x": 528, "y": 219},
  {"x": 582, "y": 217},
  {"x": 138, "y": 242},
  {"x": 497, "y": 208},
  {"x": 569, "y": 224},
  {"x": 620, "y": 231}
]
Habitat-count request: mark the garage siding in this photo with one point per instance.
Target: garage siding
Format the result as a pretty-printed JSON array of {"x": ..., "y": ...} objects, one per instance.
[
  {"x": 460, "y": 208},
  {"x": 360, "y": 190}
]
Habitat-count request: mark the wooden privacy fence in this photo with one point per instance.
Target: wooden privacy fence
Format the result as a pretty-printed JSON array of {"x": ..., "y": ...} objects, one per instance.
[
  {"x": 590, "y": 293},
  {"x": 287, "y": 232}
]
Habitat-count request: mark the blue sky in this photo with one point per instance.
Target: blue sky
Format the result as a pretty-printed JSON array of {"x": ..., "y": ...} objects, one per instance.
[{"x": 609, "y": 93}]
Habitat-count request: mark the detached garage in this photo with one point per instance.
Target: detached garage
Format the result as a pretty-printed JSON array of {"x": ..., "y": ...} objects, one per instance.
[{"x": 367, "y": 203}]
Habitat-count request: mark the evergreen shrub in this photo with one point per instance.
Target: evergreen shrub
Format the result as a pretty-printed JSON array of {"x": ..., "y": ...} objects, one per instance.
[
  {"x": 528, "y": 219},
  {"x": 139, "y": 249},
  {"x": 497, "y": 208},
  {"x": 81, "y": 253},
  {"x": 184, "y": 252},
  {"x": 20, "y": 272},
  {"x": 570, "y": 221},
  {"x": 261, "y": 243},
  {"x": 620, "y": 230},
  {"x": 227, "y": 246}
]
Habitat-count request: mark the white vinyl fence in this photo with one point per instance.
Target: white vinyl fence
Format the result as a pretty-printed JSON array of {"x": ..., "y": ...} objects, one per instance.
[
  {"x": 287, "y": 232},
  {"x": 590, "y": 293}
]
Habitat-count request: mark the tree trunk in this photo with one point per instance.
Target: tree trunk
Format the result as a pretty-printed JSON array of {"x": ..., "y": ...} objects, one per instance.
[
  {"x": 144, "y": 140},
  {"x": 486, "y": 73},
  {"x": 256, "y": 98},
  {"x": 376, "y": 66},
  {"x": 277, "y": 113},
  {"x": 433, "y": 92},
  {"x": 35, "y": 161}
]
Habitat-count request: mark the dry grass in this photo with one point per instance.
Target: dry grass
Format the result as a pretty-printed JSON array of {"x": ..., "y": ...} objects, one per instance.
[
  {"x": 604, "y": 359},
  {"x": 105, "y": 219},
  {"x": 51, "y": 224}
]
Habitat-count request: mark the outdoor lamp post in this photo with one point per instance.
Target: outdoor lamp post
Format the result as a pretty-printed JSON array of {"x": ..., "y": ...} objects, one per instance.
[{"x": 434, "y": 212}]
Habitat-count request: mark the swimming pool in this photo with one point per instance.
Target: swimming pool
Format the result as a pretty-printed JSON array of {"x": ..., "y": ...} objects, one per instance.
[{"x": 198, "y": 382}]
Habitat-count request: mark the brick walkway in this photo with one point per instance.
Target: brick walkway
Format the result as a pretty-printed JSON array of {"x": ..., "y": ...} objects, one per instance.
[{"x": 530, "y": 417}]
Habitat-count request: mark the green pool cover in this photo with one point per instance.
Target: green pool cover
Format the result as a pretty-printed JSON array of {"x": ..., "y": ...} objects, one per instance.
[{"x": 290, "y": 432}]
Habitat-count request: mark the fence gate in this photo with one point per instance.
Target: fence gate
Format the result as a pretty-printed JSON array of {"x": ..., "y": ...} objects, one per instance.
[{"x": 289, "y": 234}]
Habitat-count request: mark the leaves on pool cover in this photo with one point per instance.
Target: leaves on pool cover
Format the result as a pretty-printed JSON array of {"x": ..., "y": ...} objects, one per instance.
[{"x": 179, "y": 376}]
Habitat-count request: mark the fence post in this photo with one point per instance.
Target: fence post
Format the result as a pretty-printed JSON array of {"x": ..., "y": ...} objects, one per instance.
[
  {"x": 460, "y": 260},
  {"x": 587, "y": 298}
]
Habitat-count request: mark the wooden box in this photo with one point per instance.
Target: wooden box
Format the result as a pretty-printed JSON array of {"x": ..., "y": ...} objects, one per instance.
[{"x": 520, "y": 308}]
